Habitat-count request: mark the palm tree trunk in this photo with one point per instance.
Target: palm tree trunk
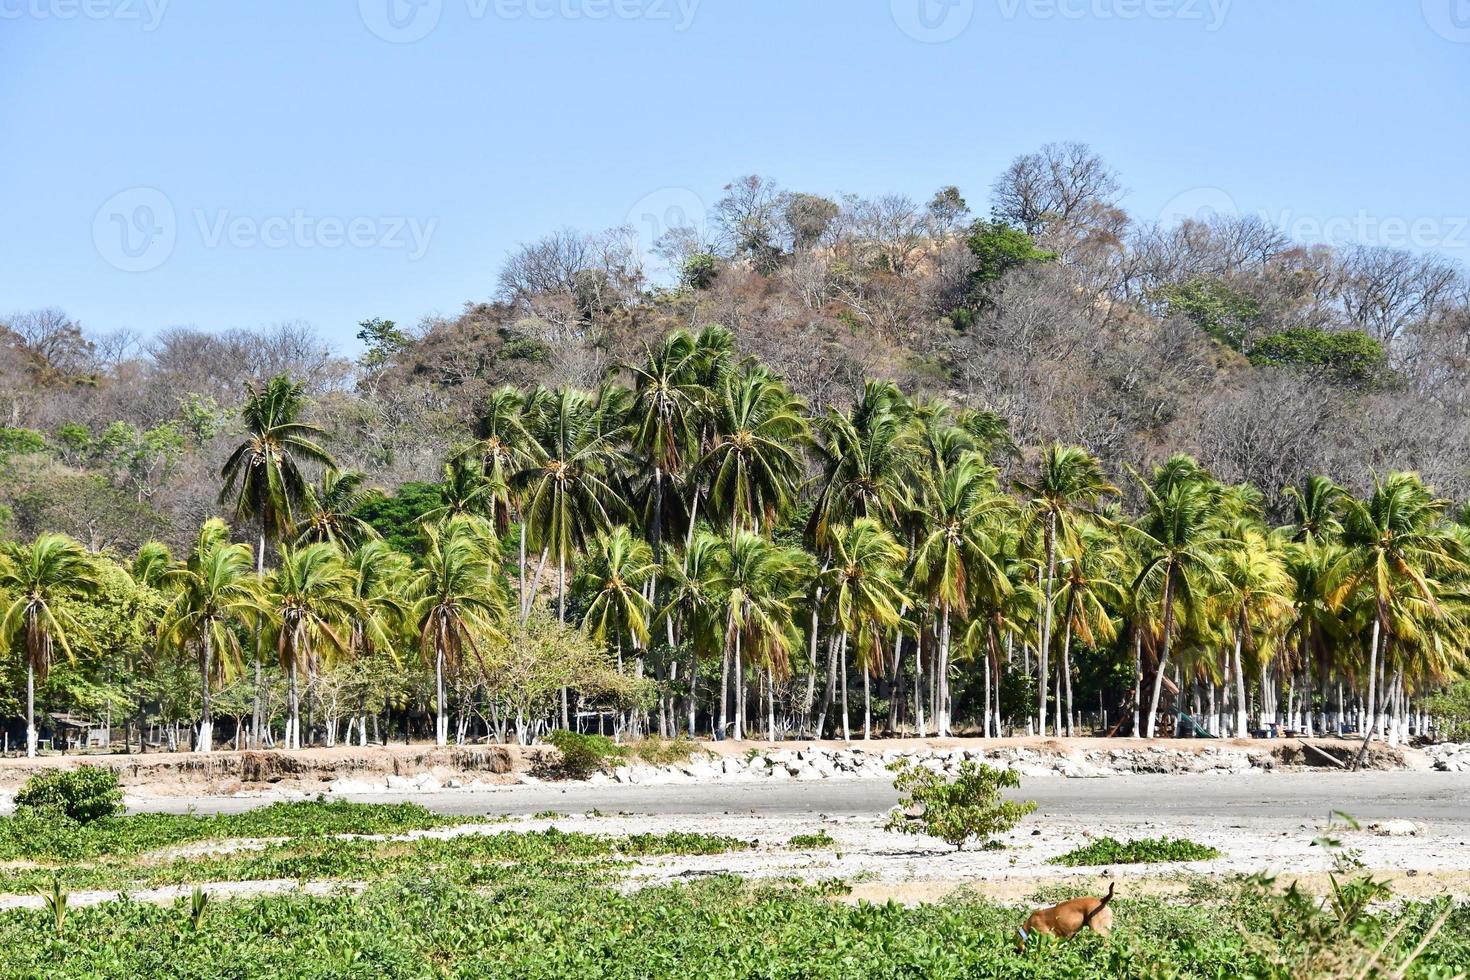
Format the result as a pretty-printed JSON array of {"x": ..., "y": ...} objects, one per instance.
[
  {"x": 528, "y": 597},
  {"x": 1242, "y": 718},
  {"x": 257, "y": 712},
  {"x": 985, "y": 721},
  {"x": 921, "y": 728},
  {"x": 521, "y": 566},
  {"x": 941, "y": 674},
  {"x": 441, "y": 720},
  {"x": 693, "y": 686},
  {"x": 1067, "y": 659},
  {"x": 1045, "y": 652},
  {"x": 1369, "y": 703},
  {"x": 561, "y": 615},
  {"x": 293, "y": 738},
  {"x": 842, "y": 674},
  {"x": 1137, "y": 681},
  {"x": 30, "y": 708},
  {"x": 205, "y": 742},
  {"x": 867, "y": 706},
  {"x": 771, "y": 703},
  {"x": 739, "y": 692},
  {"x": 1153, "y": 708},
  {"x": 831, "y": 690}
]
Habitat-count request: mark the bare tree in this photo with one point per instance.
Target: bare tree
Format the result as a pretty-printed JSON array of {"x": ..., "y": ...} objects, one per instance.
[
  {"x": 748, "y": 220},
  {"x": 1059, "y": 184}
]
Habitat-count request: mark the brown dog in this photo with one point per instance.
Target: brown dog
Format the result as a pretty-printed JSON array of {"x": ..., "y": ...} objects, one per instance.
[{"x": 1069, "y": 918}]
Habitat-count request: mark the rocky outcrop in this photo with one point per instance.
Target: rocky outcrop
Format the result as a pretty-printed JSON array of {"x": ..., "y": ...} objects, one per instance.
[{"x": 1450, "y": 757}]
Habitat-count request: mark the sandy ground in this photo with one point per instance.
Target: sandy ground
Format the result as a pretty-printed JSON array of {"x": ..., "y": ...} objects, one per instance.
[{"x": 1262, "y": 822}]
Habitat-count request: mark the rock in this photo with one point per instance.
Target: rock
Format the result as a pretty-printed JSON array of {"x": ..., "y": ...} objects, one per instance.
[
  {"x": 809, "y": 773},
  {"x": 426, "y": 782},
  {"x": 401, "y": 784},
  {"x": 1395, "y": 828},
  {"x": 351, "y": 786},
  {"x": 780, "y": 774},
  {"x": 915, "y": 811},
  {"x": 453, "y": 784},
  {"x": 623, "y": 774}
]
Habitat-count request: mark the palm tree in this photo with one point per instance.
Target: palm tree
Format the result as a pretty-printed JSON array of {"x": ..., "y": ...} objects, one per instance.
[
  {"x": 1316, "y": 504},
  {"x": 569, "y": 491},
  {"x": 756, "y": 460},
  {"x": 667, "y": 405},
  {"x": 1255, "y": 600},
  {"x": 1088, "y": 594},
  {"x": 762, "y": 582},
  {"x": 1068, "y": 481},
  {"x": 312, "y": 607},
  {"x": 694, "y": 599},
  {"x": 1394, "y": 543},
  {"x": 263, "y": 476},
  {"x": 40, "y": 578},
  {"x": 217, "y": 593},
  {"x": 613, "y": 578},
  {"x": 956, "y": 549},
  {"x": 378, "y": 578},
  {"x": 871, "y": 458},
  {"x": 866, "y": 598},
  {"x": 1176, "y": 540},
  {"x": 459, "y": 604},
  {"x": 503, "y": 450},
  {"x": 330, "y": 510}
]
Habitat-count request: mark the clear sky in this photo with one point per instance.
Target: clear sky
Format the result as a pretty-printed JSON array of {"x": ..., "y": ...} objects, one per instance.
[{"x": 222, "y": 163}]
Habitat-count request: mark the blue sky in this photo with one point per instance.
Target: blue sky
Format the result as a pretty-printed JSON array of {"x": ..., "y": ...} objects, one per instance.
[{"x": 232, "y": 164}]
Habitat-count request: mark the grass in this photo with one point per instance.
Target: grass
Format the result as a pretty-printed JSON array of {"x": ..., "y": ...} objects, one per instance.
[
  {"x": 539, "y": 926},
  {"x": 812, "y": 842},
  {"x": 1148, "y": 850},
  {"x": 464, "y": 859},
  {"x": 27, "y": 836}
]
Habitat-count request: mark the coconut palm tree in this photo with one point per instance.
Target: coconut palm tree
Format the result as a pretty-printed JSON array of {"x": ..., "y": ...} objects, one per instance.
[
  {"x": 263, "y": 475},
  {"x": 312, "y": 609},
  {"x": 1068, "y": 481},
  {"x": 1316, "y": 505},
  {"x": 378, "y": 578},
  {"x": 871, "y": 458},
  {"x": 1176, "y": 539},
  {"x": 1395, "y": 543},
  {"x": 956, "y": 554},
  {"x": 762, "y": 583},
  {"x": 613, "y": 577},
  {"x": 569, "y": 489},
  {"x": 1087, "y": 594},
  {"x": 458, "y": 606},
  {"x": 329, "y": 511},
  {"x": 755, "y": 460},
  {"x": 39, "y": 579},
  {"x": 668, "y": 402},
  {"x": 503, "y": 450},
  {"x": 217, "y": 594},
  {"x": 864, "y": 591},
  {"x": 694, "y": 600},
  {"x": 1254, "y": 600}
]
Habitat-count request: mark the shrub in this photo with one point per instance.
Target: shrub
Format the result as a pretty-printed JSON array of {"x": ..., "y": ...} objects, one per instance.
[
  {"x": 83, "y": 795},
  {"x": 662, "y": 751},
  {"x": 583, "y": 755},
  {"x": 1107, "y": 850},
  {"x": 812, "y": 842},
  {"x": 955, "y": 810}
]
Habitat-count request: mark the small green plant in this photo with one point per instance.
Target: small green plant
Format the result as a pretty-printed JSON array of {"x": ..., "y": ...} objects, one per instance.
[
  {"x": 1109, "y": 850},
  {"x": 662, "y": 751},
  {"x": 583, "y": 755},
  {"x": 955, "y": 810},
  {"x": 82, "y": 795},
  {"x": 55, "y": 899},
  {"x": 198, "y": 905},
  {"x": 812, "y": 842},
  {"x": 548, "y": 815}
]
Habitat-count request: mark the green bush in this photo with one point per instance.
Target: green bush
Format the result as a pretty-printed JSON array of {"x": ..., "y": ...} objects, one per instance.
[
  {"x": 1108, "y": 850},
  {"x": 812, "y": 842},
  {"x": 955, "y": 810},
  {"x": 583, "y": 755},
  {"x": 83, "y": 794}
]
